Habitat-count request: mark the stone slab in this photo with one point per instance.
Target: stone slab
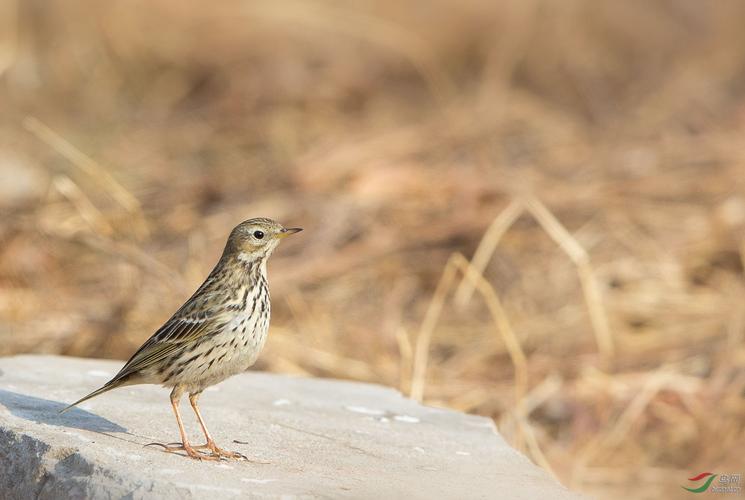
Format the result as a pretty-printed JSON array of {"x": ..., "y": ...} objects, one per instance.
[{"x": 319, "y": 438}]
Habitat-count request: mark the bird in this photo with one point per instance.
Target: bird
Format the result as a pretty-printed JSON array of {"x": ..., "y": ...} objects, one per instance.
[{"x": 217, "y": 333}]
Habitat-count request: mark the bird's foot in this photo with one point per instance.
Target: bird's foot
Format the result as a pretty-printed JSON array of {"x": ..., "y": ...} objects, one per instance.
[
  {"x": 220, "y": 453},
  {"x": 191, "y": 451}
]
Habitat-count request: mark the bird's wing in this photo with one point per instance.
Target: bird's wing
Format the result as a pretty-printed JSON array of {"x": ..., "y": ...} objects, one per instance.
[
  {"x": 191, "y": 322},
  {"x": 198, "y": 317}
]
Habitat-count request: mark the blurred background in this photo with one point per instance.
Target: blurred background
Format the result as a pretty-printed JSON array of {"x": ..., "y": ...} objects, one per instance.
[{"x": 589, "y": 152}]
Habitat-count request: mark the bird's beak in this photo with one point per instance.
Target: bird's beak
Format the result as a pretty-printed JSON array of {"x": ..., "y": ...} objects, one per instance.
[{"x": 289, "y": 230}]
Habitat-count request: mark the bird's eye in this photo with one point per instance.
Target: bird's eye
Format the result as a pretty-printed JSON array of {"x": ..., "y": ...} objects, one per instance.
[{"x": 258, "y": 234}]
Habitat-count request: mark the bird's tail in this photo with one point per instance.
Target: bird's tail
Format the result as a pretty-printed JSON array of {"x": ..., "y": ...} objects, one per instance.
[{"x": 97, "y": 392}]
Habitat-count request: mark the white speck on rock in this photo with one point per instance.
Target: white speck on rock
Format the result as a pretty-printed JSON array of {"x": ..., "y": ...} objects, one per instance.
[
  {"x": 281, "y": 402},
  {"x": 407, "y": 419},
  {"x": 464, "y": 453},
  {"x": 213, "y": 388},
  {"x": 364, "y": 411},
  {"x": 419, "y": 449},
  {"x": 257, "y": 481},
  {"x": 98, "y": 373}
]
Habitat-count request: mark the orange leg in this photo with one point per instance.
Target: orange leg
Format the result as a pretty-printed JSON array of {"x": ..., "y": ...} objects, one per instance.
[
  {"x": 210, "y": 445},
  {"x": 184, "y": 445}
]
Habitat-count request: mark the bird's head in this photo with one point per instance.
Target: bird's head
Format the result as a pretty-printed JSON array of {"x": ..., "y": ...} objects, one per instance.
[{"x": 256, "y": 239}]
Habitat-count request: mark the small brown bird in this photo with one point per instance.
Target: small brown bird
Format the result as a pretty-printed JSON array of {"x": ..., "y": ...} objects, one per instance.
[{"x": 216, "y": 334}]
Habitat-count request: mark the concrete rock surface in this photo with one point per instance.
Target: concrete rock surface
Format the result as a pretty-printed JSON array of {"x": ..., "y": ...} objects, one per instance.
[{"x": 309, "y": 438}]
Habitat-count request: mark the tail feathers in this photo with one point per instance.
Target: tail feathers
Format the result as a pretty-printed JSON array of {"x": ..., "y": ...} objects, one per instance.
[{"x": 97, "y": 392}]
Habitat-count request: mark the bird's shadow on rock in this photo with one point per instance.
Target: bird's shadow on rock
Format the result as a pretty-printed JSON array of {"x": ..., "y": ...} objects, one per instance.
[{"x": 45, "y": 411}]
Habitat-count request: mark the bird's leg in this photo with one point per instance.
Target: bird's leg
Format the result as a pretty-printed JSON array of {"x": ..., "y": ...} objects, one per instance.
[
  {"x": 210, "y": 445},
  {"x": 184, "y": 445}
]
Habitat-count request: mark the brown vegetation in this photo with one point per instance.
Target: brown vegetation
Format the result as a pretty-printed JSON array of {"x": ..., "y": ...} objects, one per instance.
[{"x": 606, "y": 334}]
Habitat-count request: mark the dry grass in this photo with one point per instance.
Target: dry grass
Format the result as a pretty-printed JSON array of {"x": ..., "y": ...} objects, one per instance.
[{"x": 587, "y": 153}]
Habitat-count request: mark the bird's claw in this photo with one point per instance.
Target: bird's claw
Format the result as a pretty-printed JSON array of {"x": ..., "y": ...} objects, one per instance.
[
  {"x": 222, "y": 453},
  {"x": 227, "y": 455},
  {"x": 215, "y": 453},
  {"x": 191, "y": 451}
]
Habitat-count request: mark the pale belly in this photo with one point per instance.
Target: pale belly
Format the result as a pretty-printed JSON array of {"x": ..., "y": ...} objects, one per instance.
[{"x": 225, "y": 354}]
